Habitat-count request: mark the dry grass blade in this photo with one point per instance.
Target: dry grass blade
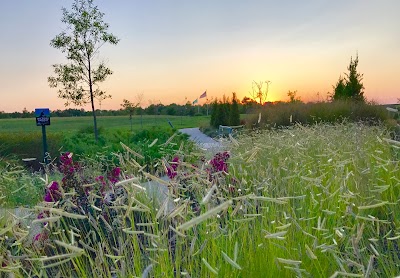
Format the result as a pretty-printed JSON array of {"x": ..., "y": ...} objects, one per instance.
[
  {"x": 209, "y": 194},
  {"x": 70, "y": 247},
  {"x": 213, "y": 270},
  {"x": 169, "y": 140},
  {"x": 230, "y": 261},
  {"x": 370, "y": 266},
  {"x": 278, "y": 235},
  {"x": 287, "y": 261},
  {"x": 47, "y": 219},
  {"x": 373, "y": 206},
  {"x": 57, "y": 263},
  {"x": 131, "y": 182},
  {"x": 62, "y": 212},
  {"x": 394, "y": 142},
  {"x": 52, "y": 258},
  {"x": 310, "y": 253},
  {"x": 177, "y": 232},
  {"x": 147, "y": 270},
  {"x": 156, "y": 179},
  {"x": 153, "y": 143},
  {"x": 233, "y": 140},
  {"x": 267, "y": 199},
  {"x": 130, "y": 232},
  {"x": 283, "y": 227},
  {"x": 204, "y": 216},
  {"x": 129, "y": 150},
  {"x": 177, "y": 210}
]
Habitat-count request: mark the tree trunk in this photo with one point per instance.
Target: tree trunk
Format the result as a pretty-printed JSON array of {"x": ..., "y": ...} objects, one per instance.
[
  {"x": 92, "y": 102},
  {"x": 94, "y": 115}
]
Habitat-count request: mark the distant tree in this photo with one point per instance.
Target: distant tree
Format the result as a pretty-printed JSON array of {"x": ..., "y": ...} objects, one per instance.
[
  {"x": 258, "y": 93},
  {"x": 293, "y": 98},
  {"x": 234, "y": 115},
  {"x": 214, "y": 107},
  {"x": 85, "y": 34},
  {"x": 225, "y": 112},
  {"x": 350, "y": 87},
  {"x": 248, "y": 104},
  {"x": 339, "y": 92},
  {"x": 172, "y": 109},
  {"x": 25, "y": 113}
]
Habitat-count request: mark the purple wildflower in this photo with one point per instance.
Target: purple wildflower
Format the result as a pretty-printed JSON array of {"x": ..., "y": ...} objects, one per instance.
[
  {"x": 52, "y": 192},
  {"x": 40, "y": 237},
  {"x": 218, "y": 163},
  {"x": 113, "y": 177},
  {"x": 67, "y": 165},
  {"x": 171, "y": 169},
  {"x": 37, "y": 237}
]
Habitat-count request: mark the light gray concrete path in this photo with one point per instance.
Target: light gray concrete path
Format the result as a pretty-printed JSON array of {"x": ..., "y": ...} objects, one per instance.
[{"x": 203, "y": 141}]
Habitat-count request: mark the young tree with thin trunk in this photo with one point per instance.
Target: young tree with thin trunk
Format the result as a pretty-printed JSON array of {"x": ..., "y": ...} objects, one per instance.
[
  {"x": 131, "y": 106},
  {"x": 85, "y": 34},
  {"x": 258, "y": 93}
]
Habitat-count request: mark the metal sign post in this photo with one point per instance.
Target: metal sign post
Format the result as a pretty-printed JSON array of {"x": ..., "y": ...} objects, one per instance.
[{"x": 43, "y": 119}]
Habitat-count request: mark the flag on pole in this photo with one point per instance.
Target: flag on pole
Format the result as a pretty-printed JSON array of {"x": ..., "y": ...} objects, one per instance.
[
  {"x": 195, "y": 101},
  {"x": 203, "y": 94}
]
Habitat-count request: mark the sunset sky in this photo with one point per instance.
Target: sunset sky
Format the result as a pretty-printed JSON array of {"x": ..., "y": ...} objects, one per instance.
[{"x": 172, "y": 50}]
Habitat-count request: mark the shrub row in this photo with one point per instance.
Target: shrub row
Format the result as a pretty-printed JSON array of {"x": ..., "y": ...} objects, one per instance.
[{"x": 286, "y": 114}]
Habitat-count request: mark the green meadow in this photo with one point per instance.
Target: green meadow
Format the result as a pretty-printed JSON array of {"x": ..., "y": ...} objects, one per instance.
[
  {"x": 21, "y": 138},
  {"x": 67, "y": 124}
]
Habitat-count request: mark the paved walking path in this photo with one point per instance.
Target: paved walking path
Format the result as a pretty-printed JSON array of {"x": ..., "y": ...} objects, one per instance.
[{"x": 203, "y": 141}]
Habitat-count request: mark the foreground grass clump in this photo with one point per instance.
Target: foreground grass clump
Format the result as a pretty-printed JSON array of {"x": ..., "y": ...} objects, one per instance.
[
  {"x": 17, "y": 186},
  {"x": 339, "y": 188},
  {"x": 314, "y": 201}
]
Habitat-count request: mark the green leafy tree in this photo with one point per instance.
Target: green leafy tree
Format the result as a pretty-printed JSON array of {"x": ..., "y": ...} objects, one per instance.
[
  {"x": 214, "y": 107},
  {"x": 225, "y": 112},
  {"x": 85, "y": 34},
  {"x": 340, "y": 89},
  {"x": 350, "y": 87}
]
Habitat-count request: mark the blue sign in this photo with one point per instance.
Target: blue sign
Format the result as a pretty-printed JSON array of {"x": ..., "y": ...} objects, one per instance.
[{"x": 42, "y": 116}]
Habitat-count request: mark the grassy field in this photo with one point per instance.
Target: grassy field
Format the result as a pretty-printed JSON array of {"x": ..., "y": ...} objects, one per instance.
[
  {"x": 108, "y": 123},
  {"x": 21, "y": 138},
  {"x": 317, "y": 201}
]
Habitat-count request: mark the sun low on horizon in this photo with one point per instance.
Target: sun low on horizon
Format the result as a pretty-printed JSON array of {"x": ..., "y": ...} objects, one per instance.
[{"x": 173, "y": 52}]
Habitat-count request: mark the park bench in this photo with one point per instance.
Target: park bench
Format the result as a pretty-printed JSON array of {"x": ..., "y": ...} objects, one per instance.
[{"x": 229, "y": 130}]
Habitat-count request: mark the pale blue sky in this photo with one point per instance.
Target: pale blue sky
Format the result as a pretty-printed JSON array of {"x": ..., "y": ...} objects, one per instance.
[{"x": 173, "y": 49}]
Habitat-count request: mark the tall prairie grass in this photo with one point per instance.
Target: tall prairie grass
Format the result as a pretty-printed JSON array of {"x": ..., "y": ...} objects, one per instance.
[
  {"x": 307, "y": 201},
  {"x": 287, "y": 114}
]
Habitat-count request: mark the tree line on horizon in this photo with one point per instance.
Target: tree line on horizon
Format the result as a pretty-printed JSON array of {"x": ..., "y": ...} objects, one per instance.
[{"x": 245, "y": 106}]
